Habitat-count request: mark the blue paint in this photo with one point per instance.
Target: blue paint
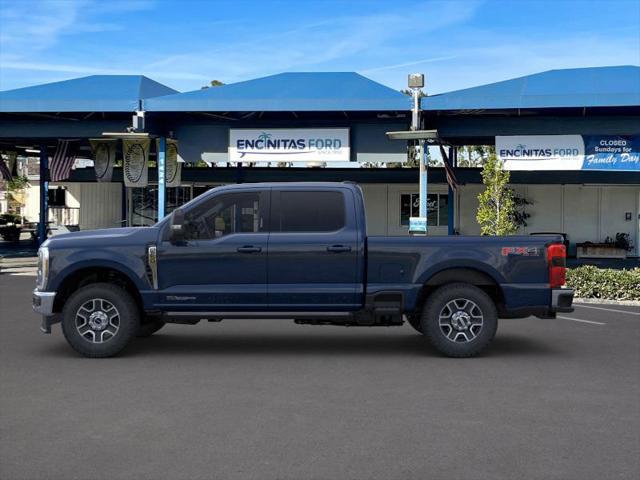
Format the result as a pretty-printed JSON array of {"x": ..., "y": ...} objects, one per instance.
[{"x": 162, "y": 177}]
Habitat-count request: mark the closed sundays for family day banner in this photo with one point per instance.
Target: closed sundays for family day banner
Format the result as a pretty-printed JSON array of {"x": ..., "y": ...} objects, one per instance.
[
  {"x": 289, "y": 145},
  {"x": 569, "y": 152}
]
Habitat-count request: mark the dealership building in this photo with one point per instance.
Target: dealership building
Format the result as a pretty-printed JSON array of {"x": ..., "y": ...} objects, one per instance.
[{"x": 571, "y": 139}]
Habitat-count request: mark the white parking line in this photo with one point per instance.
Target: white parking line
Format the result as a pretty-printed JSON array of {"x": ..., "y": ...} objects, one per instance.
[
  {"x": 581, "y": 320},
  {"x": 606, "y": 309}
]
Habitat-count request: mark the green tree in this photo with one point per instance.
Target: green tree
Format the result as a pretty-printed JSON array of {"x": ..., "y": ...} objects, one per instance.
[
  {"x": 474, "y": 155},
  {"x": 213, "y": 83},
  {"x": 496, "y": 209}
]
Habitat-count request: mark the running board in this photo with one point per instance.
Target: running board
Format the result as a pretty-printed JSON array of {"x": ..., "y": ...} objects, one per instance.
[
  {"x": 380, "y": 309},
  {"x": 216, "y": 316}
]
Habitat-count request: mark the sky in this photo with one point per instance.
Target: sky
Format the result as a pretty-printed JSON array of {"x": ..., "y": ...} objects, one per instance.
[{"x": 185, "y": 44}]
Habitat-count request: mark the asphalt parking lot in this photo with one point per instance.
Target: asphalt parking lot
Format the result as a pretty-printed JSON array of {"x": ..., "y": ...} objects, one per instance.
[{"x": 552, "y": 399}]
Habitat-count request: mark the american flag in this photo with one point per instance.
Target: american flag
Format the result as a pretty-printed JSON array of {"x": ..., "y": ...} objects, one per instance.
[
  {"x": 451, "y": 175},
  {"x": 4, "y": 170},
  {"x": 62, "y": 160}
]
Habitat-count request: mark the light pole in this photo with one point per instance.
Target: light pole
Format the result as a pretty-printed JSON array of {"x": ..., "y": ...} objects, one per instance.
[{"x": 419, "y": 225}]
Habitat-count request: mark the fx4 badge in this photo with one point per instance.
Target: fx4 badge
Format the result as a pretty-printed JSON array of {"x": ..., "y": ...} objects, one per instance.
[{"x": 522, "y": 251}]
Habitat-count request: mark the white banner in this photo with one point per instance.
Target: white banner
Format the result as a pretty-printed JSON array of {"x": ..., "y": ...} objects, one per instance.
[
  {"x": 136, "y": 162},
  {"x": 541, "y": 152},
  {"x": 104, "y": 157},
  {"x": 174, "y": 166},
  {"x": 289, "y": 145}
]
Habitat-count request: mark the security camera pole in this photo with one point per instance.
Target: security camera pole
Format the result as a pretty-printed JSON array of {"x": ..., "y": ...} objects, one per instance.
[{"x": 416, "y": 83}]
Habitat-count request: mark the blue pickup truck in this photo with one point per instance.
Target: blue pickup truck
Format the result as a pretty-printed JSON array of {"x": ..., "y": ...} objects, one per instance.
[{"x": 295, "y": 251}]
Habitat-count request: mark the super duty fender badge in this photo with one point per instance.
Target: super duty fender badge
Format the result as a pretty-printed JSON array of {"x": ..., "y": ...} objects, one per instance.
[{"x": 521, "y": 251}]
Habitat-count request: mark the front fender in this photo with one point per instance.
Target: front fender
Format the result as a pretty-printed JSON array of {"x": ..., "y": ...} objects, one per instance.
[{"x": 133, "y": 266}]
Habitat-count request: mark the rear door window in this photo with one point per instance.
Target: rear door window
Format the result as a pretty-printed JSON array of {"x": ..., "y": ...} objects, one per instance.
[{"x": 310, "y": 211}]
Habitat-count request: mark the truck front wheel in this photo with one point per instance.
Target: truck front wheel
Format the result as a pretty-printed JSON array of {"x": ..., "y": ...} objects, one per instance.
[
  {"x": 459, "y": 320},
  {"x": 99, "y": 320}
]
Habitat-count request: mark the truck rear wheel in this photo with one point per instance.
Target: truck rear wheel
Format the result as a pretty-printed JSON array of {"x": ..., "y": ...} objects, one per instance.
[
  {"x": 99, "y": 320},
  {"x": 459, "y": 320}
]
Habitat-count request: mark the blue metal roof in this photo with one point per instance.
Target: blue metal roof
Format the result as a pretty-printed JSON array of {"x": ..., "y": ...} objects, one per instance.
[
  {"x": 96, "y": 93},
  {"x": 299, "y": 92},
  {"x": 577, "y": 87}
]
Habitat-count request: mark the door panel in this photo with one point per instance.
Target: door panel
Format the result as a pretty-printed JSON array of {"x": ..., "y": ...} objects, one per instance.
[
  {"x": 314, "y": 269},
  {"x": 223, "y": 263}
]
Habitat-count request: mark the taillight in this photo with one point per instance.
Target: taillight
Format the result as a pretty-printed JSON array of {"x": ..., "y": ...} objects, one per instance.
[{"x": 557, "y": 258}]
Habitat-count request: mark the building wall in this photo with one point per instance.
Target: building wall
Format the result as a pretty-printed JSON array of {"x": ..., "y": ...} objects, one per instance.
[
  {"x": 100, "y": 204},
  {"x": 585, "y": 212},
  {"x": 588, "y": 213}
]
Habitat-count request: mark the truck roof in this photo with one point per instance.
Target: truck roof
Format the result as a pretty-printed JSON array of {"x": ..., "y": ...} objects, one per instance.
[{"x": 349, "y": 185}]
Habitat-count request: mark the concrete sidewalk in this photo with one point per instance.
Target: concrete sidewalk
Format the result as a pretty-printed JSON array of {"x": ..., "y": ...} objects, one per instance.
[{"x": 17, "y": 264}]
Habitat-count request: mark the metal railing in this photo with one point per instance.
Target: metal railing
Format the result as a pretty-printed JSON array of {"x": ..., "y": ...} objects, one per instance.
[{"x": 64, "y": 215}]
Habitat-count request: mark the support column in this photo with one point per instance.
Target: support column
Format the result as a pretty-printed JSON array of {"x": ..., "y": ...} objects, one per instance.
[
  {"x": 162, "y": 180},
  {"x": 450, "y": 195},
  {"x": 44, "y": 195},
  {"x": 423, "y": 179}
]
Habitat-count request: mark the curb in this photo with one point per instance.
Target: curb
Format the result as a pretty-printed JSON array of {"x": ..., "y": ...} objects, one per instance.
[{"x": 605, "y": 301}]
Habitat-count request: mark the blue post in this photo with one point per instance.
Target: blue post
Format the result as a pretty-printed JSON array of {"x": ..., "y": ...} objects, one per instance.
[
  {"x": 162, "y": 181},
  {"x": 450, "y": 198},
  {"x": 44, "y": 195},
  {"x": 423, "y": 179}
]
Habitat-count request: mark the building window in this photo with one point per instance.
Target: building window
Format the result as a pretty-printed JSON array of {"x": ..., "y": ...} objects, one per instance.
[
  {"x": 57, "y": 197},
  {"x": 437, "y": 209}
]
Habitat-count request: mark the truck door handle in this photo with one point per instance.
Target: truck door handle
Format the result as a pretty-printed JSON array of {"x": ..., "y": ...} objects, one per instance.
[
  {"x": 339, "y": 248},
  {"x": 249, "y": 249}
]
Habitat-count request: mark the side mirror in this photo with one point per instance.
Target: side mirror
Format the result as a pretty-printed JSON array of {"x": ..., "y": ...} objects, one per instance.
[{"x": 177, "y": 227}]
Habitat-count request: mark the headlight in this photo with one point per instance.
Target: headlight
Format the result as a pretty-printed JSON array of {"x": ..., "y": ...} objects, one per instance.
[{"x": 43, "y": 268}]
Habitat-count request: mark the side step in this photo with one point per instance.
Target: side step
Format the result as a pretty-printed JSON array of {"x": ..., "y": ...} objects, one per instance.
[{"x": 381, "y": 309}]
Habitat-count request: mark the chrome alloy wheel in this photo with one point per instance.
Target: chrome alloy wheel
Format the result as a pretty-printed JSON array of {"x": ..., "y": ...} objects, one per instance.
[
  {"x": 97, "y": 320},
  {"x": 460, "y": 320}
]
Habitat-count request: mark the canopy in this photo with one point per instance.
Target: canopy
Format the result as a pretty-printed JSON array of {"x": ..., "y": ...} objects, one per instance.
[
  {"x": 576, "y": 87},
  {"x": 96, "y": 93},
  {"x": 289, "y": 92}
]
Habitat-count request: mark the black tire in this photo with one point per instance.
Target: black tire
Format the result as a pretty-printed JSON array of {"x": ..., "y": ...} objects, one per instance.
[
  {"x": 466, "y": 329},
  {"x": 149, "y": 327},
  {"x": 415, "y": 321},
  {"x": 100, "y": 300}
]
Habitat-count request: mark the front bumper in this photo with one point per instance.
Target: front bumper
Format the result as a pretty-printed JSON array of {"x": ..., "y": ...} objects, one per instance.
[
  {"x": 562, "y": 300},
  {"x": 42, "y": 303}
]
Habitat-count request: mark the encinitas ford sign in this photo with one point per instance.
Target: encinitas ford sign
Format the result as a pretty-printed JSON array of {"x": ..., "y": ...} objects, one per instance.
[
  {"x": 541, "y": 152},
  {"x": 289, "y": 145}
]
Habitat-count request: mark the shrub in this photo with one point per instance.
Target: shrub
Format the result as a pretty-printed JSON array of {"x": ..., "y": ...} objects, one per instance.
[{"x": 593, "y": 282}]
